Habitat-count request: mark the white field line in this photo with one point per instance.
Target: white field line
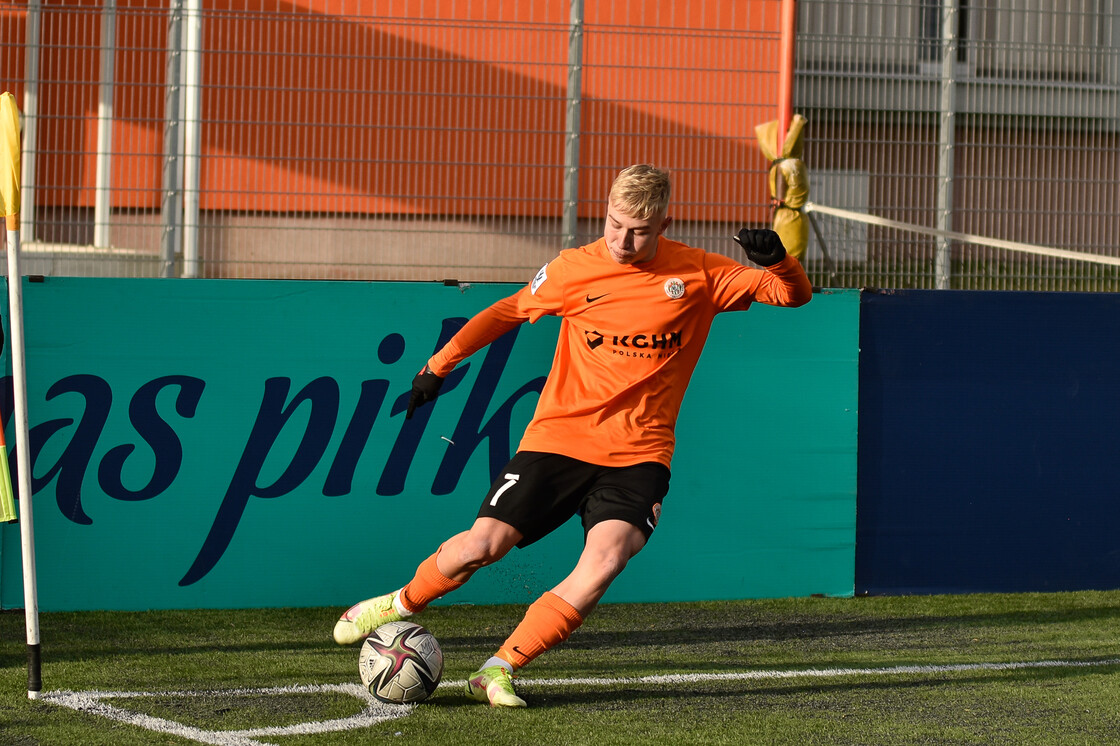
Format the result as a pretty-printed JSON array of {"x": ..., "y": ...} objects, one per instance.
[
  {"x": 810, "y": 673},
  {"x": 93, "y": 703},
  {"x": 375, "y": 712}
]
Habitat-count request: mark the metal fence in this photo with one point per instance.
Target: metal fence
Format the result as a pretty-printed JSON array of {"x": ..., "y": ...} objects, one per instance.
[
  {"x": 472, "y": 139},
  {"x": 993, "y": 118}
]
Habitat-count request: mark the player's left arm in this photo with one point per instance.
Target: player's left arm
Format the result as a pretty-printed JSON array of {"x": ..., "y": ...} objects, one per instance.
[{"x": 783, "y": 281}]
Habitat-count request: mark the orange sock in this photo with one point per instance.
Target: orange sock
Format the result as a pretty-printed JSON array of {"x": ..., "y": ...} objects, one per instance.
[
  {"x": 427, "y": 585},
  {"x": 548, "y": 622}
]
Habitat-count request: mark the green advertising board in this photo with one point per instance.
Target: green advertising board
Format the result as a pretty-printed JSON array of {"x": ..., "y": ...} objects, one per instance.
[{"x": 222, "y": 444}]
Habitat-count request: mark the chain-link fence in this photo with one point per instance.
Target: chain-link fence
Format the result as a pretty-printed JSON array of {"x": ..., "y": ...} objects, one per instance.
[
  {"x": 378, "y": 140},
  {"x": 472, "y": 139},
  {"x": 994, "y": 118}
]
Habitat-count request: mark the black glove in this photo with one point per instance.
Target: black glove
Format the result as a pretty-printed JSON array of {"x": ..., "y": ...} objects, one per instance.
[
  {"x": 425, "y": 388},
  {"x": 763, "y": 246}
]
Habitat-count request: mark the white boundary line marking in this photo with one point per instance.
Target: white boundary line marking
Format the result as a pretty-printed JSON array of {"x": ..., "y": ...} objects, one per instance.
[
  {"x": 819, "y": 673},
  {"x": 375, "y": 712},
  {"x": 93, "y": 703}
]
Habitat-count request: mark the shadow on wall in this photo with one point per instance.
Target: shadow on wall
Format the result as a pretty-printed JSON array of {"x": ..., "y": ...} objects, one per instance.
[{"x": 313, "y": 113}]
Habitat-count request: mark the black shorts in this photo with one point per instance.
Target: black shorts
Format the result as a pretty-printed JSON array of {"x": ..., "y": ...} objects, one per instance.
[{"x": 538, "y": 492}]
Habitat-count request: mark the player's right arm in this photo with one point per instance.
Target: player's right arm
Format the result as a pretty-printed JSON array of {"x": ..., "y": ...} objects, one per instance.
[
  {"x": 543, "y": 296},
  {"x": 481, "y": 330},
  {"x": 486, "y": 326}
]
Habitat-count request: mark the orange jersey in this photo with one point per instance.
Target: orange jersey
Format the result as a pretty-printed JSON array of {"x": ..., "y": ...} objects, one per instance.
[{"x": 630, "y": 338}]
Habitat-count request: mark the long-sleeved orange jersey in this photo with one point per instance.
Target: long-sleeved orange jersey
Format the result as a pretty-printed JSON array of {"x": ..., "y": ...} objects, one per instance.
[{"x": 629, "y": 340}]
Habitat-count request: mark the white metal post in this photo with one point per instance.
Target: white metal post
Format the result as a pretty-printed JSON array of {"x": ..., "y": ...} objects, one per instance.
[
  {"x": 171, "y": 205},
  {"x": 947, "y": 141},
  {"x": 192, "y": 133},
  {"x": 29, "y": 138},
  {"x": 103, "y": 194},
  {"x": 571, "y": 149}
]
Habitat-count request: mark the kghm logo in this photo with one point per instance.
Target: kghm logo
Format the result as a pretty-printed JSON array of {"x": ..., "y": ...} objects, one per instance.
[
  {"x": 666, "y": 341},
  {"x": 637, "y": 345}
]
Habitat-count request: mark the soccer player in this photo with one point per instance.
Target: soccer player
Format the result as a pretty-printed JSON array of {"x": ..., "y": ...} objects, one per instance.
[{"x": 636, "y": 308}]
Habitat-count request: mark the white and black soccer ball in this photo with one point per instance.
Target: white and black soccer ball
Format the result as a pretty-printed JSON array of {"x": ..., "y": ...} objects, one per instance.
[{"x": 400, "y": 663}]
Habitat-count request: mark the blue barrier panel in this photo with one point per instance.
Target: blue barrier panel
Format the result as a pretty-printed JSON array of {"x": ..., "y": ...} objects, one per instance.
[
  {"x": 216, "y": 444},
  {"x": 988, "y": 446}
]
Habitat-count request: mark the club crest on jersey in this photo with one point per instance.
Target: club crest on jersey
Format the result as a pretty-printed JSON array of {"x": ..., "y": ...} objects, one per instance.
[
  {"x": 674, "y": 288},
  {"x": 542, "y": 275}
]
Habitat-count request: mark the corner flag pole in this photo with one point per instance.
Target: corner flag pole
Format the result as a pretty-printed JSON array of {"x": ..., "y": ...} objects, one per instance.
[{"x": 9, "y": 206}]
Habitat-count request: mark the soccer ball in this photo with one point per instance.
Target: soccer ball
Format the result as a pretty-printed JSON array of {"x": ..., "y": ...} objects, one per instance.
[{"x": 400, "y": 663}]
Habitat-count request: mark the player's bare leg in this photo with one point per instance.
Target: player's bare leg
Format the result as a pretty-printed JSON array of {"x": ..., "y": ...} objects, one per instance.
[
  {"x": 609, "y": 546},
  {"x": 554, "y": 616},
  {"x": 487, "y": 541}
]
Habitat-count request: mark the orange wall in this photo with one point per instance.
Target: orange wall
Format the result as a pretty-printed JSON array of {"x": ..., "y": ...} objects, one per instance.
[{"x": 362, "y": 106}]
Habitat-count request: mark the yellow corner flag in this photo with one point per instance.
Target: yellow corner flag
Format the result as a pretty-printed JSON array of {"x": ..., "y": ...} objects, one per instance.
[
  {"x": 9, "y": 155},
  {"x": 7, "y": 498},
  {"x": 9, "y": 208},
  {"x": 789, "y": 222}
]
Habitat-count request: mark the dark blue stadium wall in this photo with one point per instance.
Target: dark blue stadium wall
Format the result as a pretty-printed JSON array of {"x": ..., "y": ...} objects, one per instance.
[{"x": 989, "y": 454}]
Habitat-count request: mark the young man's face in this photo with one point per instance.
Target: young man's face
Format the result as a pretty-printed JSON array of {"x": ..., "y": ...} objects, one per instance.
[{"x": 631, "y": 240}]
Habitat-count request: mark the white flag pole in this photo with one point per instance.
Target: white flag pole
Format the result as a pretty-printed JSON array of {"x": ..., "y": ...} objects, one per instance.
[{"x": 9, "y": 197}]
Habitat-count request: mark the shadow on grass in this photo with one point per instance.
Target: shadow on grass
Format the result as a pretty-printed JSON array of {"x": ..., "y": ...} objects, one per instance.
[
  {"x": 773, "y": 692},
  {"x": 702, "y": 627},
  {"x": 464, "y": 630}
]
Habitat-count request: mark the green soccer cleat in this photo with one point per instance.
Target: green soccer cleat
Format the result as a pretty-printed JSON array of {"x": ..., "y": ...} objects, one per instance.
[
  {"x": 361, "y": 619},
  {"x": 494, "y": 685}
]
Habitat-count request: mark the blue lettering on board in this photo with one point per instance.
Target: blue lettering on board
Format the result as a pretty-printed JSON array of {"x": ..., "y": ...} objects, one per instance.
[{"x": 319, "y": 399}]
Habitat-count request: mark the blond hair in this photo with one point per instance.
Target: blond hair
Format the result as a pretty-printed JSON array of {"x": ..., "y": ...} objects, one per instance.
[{"x": 641, "y": 191}]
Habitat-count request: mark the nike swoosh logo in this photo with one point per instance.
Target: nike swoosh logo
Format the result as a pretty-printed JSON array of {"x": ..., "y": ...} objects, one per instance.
[{"x": 589, "y": 299}]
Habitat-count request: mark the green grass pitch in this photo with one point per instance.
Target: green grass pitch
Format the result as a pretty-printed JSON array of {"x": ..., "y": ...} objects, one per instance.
[{"x": 979, "y": 669}]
